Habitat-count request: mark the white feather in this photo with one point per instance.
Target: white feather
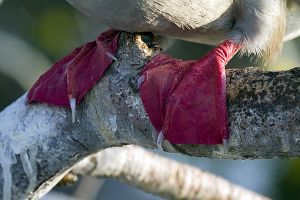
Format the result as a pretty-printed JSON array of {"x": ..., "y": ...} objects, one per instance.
[{"x": 255, "y": 24}]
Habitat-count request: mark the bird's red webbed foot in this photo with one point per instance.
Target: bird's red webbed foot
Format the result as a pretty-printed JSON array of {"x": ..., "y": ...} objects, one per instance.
[
  {"x": 68, "y": 80},
  {"x": 186, "y": 100}
]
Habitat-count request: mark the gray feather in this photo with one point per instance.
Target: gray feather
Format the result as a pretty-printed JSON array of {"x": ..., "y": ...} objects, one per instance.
[{"x": 258, "y": 24}]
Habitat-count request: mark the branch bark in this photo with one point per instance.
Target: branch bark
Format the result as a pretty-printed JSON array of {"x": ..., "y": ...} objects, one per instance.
[
  {"x": 161, "y": 176},
  {"x": 39, "y": 143}
]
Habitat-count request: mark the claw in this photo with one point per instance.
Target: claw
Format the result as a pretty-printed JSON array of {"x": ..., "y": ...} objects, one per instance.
[
  {"x": 140, "y": 80},
  {"x": 159, "y": 140},
  {"x": 226, "y": 144},
  {"x": 72, "y": 102},
  {"x": 111, "y": 56}
]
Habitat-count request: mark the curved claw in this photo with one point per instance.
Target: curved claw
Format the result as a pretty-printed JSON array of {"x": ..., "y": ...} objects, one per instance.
[
  {"x": 226, "y": 144},
  {"x": 110, "y": 55},
  {"x": 140, "y": 80},
  {"x": 72, "y": 102},
  {"x": 159, "y": 140}
]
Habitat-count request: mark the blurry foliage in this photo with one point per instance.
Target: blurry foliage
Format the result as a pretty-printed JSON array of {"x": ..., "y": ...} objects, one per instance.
[
  {"x": 289, "y": 181},
  {"x": 9, "y": 90},
  {"x": 49, "y": 25},
  {"x": 56, "y": 32}
]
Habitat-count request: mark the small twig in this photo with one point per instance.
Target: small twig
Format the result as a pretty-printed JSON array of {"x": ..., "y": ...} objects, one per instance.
[{"x": 161, "y": 176}]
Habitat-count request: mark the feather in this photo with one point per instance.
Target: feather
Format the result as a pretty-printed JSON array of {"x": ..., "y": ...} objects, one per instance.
[{"x": 260, "y": 26}]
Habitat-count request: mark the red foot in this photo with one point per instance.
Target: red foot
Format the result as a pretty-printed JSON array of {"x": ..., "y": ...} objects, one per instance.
[
  {"x": 186, "y": 100},
  {"x": 71, "y": 77}
]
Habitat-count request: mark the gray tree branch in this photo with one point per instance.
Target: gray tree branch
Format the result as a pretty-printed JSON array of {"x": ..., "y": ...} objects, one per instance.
[
  {"x": 161, "y": 176},
  {"x": 39, "y": 143}
]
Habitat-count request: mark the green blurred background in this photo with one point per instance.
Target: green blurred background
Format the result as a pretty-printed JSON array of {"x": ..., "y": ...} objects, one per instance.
[{"x": 36, "y": 33}]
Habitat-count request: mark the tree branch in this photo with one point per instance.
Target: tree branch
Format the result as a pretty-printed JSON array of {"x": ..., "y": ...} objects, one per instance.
[
  {"x": 161, "y": 176},
  {"x": 39, "y": 142}
]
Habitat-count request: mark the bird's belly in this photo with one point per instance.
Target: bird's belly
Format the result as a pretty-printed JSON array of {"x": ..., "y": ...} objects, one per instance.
[{"x": 202, "y": 21}]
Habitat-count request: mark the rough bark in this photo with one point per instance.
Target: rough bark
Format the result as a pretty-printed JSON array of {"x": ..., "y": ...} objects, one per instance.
[
  {"x": 161, "y": 176},
  {"x": 39, "y": 142}
]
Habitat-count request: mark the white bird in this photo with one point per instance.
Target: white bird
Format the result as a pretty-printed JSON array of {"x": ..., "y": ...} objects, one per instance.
[
  {"x": 186, "y": 107},
  {"x": 261, "y": 25}
]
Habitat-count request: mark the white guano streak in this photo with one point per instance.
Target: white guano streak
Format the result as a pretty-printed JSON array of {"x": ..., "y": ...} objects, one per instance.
[{"x": 19, "y": 137}]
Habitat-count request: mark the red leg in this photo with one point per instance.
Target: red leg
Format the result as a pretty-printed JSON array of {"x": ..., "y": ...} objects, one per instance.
[
  {"x": 186, "y": 100},
  {"x": 71, "y": 71},
  {"x": 68, "y": 80}
]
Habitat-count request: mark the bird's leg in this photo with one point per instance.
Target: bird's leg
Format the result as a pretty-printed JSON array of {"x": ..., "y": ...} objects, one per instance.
[
  {"x": 72, "y": 76},
  {"x": 186, "y": 100},
  {"x": 68, "y": 80},
  {"x": 216, "y": 60}
]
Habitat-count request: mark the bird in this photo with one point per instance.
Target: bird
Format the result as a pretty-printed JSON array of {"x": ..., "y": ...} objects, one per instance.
[
  {"x": 259, "y": 24},
  {"x": 252, "y": 27}
]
